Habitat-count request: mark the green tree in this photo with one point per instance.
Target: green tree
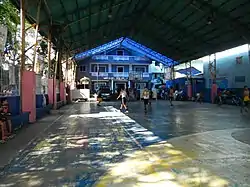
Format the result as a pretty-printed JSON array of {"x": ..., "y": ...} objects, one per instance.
[{"x": 9, "y": 15}]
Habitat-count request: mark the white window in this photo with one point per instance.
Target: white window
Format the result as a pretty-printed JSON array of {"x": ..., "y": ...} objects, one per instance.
[
  {"x": 101, "y": 68},
  {"x": 82, "y": 68},
  {"x": 140, "y": 69},
  {"x": 120, "y": 69}
]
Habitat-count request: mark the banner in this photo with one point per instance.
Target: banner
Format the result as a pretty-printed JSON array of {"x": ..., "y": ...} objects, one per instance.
[{"x": 168, "y": 74}]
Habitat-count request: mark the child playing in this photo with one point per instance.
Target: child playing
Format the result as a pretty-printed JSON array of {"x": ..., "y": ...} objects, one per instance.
[{"x": 5, "y": 117}]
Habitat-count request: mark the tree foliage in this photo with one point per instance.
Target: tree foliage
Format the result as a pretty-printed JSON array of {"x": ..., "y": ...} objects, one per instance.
[{"x": 9, "y": 15}]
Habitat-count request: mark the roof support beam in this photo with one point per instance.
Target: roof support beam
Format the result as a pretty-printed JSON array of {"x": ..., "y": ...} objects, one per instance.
[
  {"x": 112, "y": 33},
  {"x": 65, "y": 15},
  {"x": 93, "y": 13},
  {"x": 89, "y": 26},
  {"x": 141, "y": 10},
  {"x": 222, "y": 17},
  {"x": 99, "y": 15},
  {"x": 184, "y": 32},
  {"x": 109, "y": 17},
  {"x": 48, "y": 10},
  {"x": 120, "y": 20},
  {"x": 78, "y": 16}
]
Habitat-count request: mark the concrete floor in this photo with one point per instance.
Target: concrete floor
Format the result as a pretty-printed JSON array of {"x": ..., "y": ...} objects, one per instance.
[{"x": 186, "y": 145}]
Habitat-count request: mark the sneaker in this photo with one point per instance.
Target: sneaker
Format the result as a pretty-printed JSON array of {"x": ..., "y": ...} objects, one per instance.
[{"x": 126, "y": 111}]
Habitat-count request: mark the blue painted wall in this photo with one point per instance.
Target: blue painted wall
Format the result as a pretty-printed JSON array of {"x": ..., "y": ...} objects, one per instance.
[
  {"x": 228, "y": 70},
  {"x": 114, "y": 52}
]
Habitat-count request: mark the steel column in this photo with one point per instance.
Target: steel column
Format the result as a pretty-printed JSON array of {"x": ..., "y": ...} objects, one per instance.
[
  {"x": 22, "y": 66},
  {"x": 172, "y": 73},
  {"x": 212, "y": 69},
  {"x": 189, "y": 79},
  {"x": 54, "y": 79},
  {"x": 36, "y": 35},
  {"x": 249, "y": 52},
  {"x": 67, "y": 68},
  {"x": 49, "y": 54}
]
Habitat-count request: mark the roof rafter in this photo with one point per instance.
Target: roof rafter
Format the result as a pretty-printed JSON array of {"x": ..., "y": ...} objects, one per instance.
[
  {"x": 78, "y": 16},
  {"x": 114, "y": 21},
  {"x": 65, "y": 15},
  {"x": 179, "y": 28},
  {"x": 92, "y": 13},
  {"x": 223, "y": 17}
]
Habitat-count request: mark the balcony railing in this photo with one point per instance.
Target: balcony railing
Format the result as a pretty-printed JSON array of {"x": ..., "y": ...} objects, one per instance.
[
  {"x": 132, "y": 75},
  {"x": 119, "y": 58}
]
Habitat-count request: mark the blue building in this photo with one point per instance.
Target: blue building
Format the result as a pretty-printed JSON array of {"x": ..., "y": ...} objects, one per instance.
[{"x": 122, "y": 63}]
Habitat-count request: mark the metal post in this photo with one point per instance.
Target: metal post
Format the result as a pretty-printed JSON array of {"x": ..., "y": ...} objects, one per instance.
[
  {"x": 36, "y": 35},
  {"x": 49, "y": 54},
  {"x": 212, "y": 69},
  {"x": 22, "y": 66},
  {"x": 59, "y": 66},
  {"x": 67, "y": 68},
  {"x": 98, "y": 76},
  {"x": 248, "y": 53},
  {"x": 172, "y": 75},
  {"x": 54, "y": 79}
]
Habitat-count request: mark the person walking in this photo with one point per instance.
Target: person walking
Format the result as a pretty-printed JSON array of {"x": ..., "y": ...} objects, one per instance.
[
  {"x": 123, "y": 96},
  {"x": 171, "y": 95},
  {"x": 246, "y": 100},
  {"x": 146, "y": 96}
]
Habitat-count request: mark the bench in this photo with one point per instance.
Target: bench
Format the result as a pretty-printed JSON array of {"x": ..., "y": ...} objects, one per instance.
[
  {"x": 19, "y": 120},
  {"x": 42, "y": 111}
]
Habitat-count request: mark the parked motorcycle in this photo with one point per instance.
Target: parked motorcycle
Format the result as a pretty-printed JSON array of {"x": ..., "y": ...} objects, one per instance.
[{"x": 180, "y": 96}]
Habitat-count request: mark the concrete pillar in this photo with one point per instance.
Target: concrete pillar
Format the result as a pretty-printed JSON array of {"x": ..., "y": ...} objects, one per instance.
[
  {"x": 28, "y": 97},
  {"x": 130, "y": 67},
  {"x": 110, "y": 68}
]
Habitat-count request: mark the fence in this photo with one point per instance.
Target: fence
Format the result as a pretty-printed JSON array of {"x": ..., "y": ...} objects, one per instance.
[{"x": 9, "y": 78}]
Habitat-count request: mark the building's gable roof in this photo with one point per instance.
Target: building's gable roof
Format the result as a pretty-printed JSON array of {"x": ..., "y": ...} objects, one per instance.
[{"x": 130, "y": 44}]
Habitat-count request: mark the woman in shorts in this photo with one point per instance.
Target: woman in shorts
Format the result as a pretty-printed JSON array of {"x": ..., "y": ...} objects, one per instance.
[{"x": 123, "y": 96}]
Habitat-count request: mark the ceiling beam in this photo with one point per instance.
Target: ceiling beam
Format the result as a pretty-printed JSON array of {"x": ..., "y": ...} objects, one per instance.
[
  {"x": 89, "y": 25},
  {"x": 141, "y": 10},
  {"x": 222, "y": 17},
  {"x": 119, "y": 20},
  {"x": 196, "y": 39},
  {"x": 78, "y": 16},
  {"x": 65, "y": 15},
  {"x": 92, "y": 13}
]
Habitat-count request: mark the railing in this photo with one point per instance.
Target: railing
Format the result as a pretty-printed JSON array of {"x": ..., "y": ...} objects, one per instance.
[
  {"x": 132, "y": 75},
  {"x": 120, "y": 74},
  {"x": 119, "y": 58}
]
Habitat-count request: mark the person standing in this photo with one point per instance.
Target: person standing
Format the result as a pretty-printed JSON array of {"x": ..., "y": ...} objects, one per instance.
[
  {"x": 99, "y": 97},
  {"x": 146, "y": 96},
  {"x": 171, "y": 95},
  {"x": 246, "y": 99},
  {"x": 123, "y": 96}
]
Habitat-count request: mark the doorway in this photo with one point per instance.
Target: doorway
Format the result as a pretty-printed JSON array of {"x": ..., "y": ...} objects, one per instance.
[{"x": 119, "y": 86}]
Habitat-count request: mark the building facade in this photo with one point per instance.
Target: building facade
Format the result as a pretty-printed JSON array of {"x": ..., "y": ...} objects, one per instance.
[{"x": 117, "y": 68}]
